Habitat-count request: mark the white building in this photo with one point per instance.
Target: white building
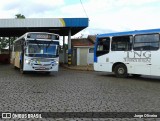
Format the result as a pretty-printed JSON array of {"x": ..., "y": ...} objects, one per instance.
[{"x": 83, "y": 50}]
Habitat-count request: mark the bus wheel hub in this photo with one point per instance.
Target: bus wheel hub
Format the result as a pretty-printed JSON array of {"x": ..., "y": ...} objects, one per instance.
[{"x": 121, "y": 71}]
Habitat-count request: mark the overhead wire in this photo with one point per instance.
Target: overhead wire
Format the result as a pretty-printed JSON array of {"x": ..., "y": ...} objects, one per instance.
[
  {"x": 84, "y": 8},
  {"x": 84, "y": 31}
]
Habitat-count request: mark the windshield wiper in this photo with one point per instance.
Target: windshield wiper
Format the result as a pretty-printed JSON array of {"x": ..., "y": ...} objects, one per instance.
[
  {"x": 37, "y": 44},
  {"x": 48, "y": 45}
]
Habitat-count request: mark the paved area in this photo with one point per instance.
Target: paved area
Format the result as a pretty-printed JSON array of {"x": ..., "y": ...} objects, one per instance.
[
  {"x": 77, "y": 91},
  {"x": 81, "y": 68}
]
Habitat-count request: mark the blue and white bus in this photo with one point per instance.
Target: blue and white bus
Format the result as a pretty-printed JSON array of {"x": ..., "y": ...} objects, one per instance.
[
  {"x": 36, "y": 51},
  {"x": 133, "y": 52}
]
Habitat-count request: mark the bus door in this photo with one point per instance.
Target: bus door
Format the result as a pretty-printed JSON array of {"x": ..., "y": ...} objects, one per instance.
[{"x": 102, "y": 50}]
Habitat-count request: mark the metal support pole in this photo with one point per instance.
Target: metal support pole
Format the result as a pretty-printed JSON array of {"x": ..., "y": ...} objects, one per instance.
[
  {"x": 9, "y": 49},
  {"x": 69, "y": 48},
  {"x": 64, "y": 50},
  {"x": 0, "y": 44}
]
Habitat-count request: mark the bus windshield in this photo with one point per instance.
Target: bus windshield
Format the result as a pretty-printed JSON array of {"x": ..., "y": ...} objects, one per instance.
[{"x": 41, "y": 50}]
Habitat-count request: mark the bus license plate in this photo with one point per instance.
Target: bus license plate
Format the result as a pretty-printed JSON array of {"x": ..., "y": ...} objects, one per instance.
[{"x": 42, "y": 68}]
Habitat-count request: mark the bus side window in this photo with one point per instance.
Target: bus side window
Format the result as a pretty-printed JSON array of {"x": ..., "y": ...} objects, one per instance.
[
  {"x": 146, "y": 42},
  {"x": 121, "y": 43}
]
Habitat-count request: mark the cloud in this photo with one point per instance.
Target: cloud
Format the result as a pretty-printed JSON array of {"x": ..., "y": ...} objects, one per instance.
[
  {"x": 116, "y": 15},
  {"x": 124, "y": 15},
  {"x": 31, "y": 7},
  {"x": 104, "y": 15}
]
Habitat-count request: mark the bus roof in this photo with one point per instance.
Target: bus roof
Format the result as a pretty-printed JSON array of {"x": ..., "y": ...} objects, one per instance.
[{"x": 129, "y": 33}]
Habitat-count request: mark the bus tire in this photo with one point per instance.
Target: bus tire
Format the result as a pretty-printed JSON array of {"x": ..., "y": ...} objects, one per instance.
[
  {"x": 120, "y": 71},
  {"x": 22, "y": 72}
]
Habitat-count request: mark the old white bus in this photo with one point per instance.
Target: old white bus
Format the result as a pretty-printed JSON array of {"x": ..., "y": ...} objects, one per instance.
[
  {"x": 36, "y": 51},
  {"x": 133, "y": 52}
]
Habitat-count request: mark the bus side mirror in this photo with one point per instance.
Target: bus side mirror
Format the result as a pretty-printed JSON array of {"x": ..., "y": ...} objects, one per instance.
[
  {"x": 25, "y": 44},
  {"x": 57, "y": 37}
]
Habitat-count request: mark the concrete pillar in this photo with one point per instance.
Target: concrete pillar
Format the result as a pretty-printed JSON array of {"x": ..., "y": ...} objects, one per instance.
[{"x": 69, "y": 48}]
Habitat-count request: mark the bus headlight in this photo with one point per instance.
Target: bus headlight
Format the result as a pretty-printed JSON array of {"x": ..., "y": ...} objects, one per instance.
[
  {"x": 27, "y": 61},
  {"x": 55, "y": 63}
]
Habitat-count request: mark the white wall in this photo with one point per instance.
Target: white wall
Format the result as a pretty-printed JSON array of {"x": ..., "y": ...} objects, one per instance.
[{"x": 83, "y": 56}]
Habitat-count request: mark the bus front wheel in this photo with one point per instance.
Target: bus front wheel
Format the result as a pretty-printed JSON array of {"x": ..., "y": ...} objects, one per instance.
[
  {"x": 21, "y": 69},
  {"x": 120, "y": 71}
]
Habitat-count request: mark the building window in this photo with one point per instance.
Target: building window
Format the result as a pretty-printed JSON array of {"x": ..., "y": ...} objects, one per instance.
[{"x": 91, "y": 50}]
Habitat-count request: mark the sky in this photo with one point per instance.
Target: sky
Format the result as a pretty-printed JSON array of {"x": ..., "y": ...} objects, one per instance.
[{"x": 105, "y": 16}]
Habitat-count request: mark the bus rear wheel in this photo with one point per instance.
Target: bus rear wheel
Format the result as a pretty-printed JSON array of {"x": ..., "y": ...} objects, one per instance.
[{"x": 120, "y": 71}]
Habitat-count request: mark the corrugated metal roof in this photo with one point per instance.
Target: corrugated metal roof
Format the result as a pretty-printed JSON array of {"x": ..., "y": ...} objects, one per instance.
[
  {"x": 7, "y": 23},
  {"x": 44, "y": 22},
  {"x": 61, "y": 26}
]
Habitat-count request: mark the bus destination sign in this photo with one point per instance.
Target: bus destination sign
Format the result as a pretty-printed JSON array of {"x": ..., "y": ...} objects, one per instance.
[{"x": 43, "y": 36}]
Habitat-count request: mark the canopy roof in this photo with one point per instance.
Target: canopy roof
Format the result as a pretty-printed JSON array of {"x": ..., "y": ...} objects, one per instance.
[{"x": 61, "y": 26}]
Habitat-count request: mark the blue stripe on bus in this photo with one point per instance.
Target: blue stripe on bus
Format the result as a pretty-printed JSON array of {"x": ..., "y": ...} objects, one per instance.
[
  {"x": 130, "y": 33},
  {"x": 95, "y": 58},
  {"x": 95, "y": 49}
]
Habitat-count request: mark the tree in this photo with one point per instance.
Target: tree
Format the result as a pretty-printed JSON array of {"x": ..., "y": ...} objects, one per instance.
[
  {"x": 20, "y": 16},
  {"x": 3, "y": 42}
]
